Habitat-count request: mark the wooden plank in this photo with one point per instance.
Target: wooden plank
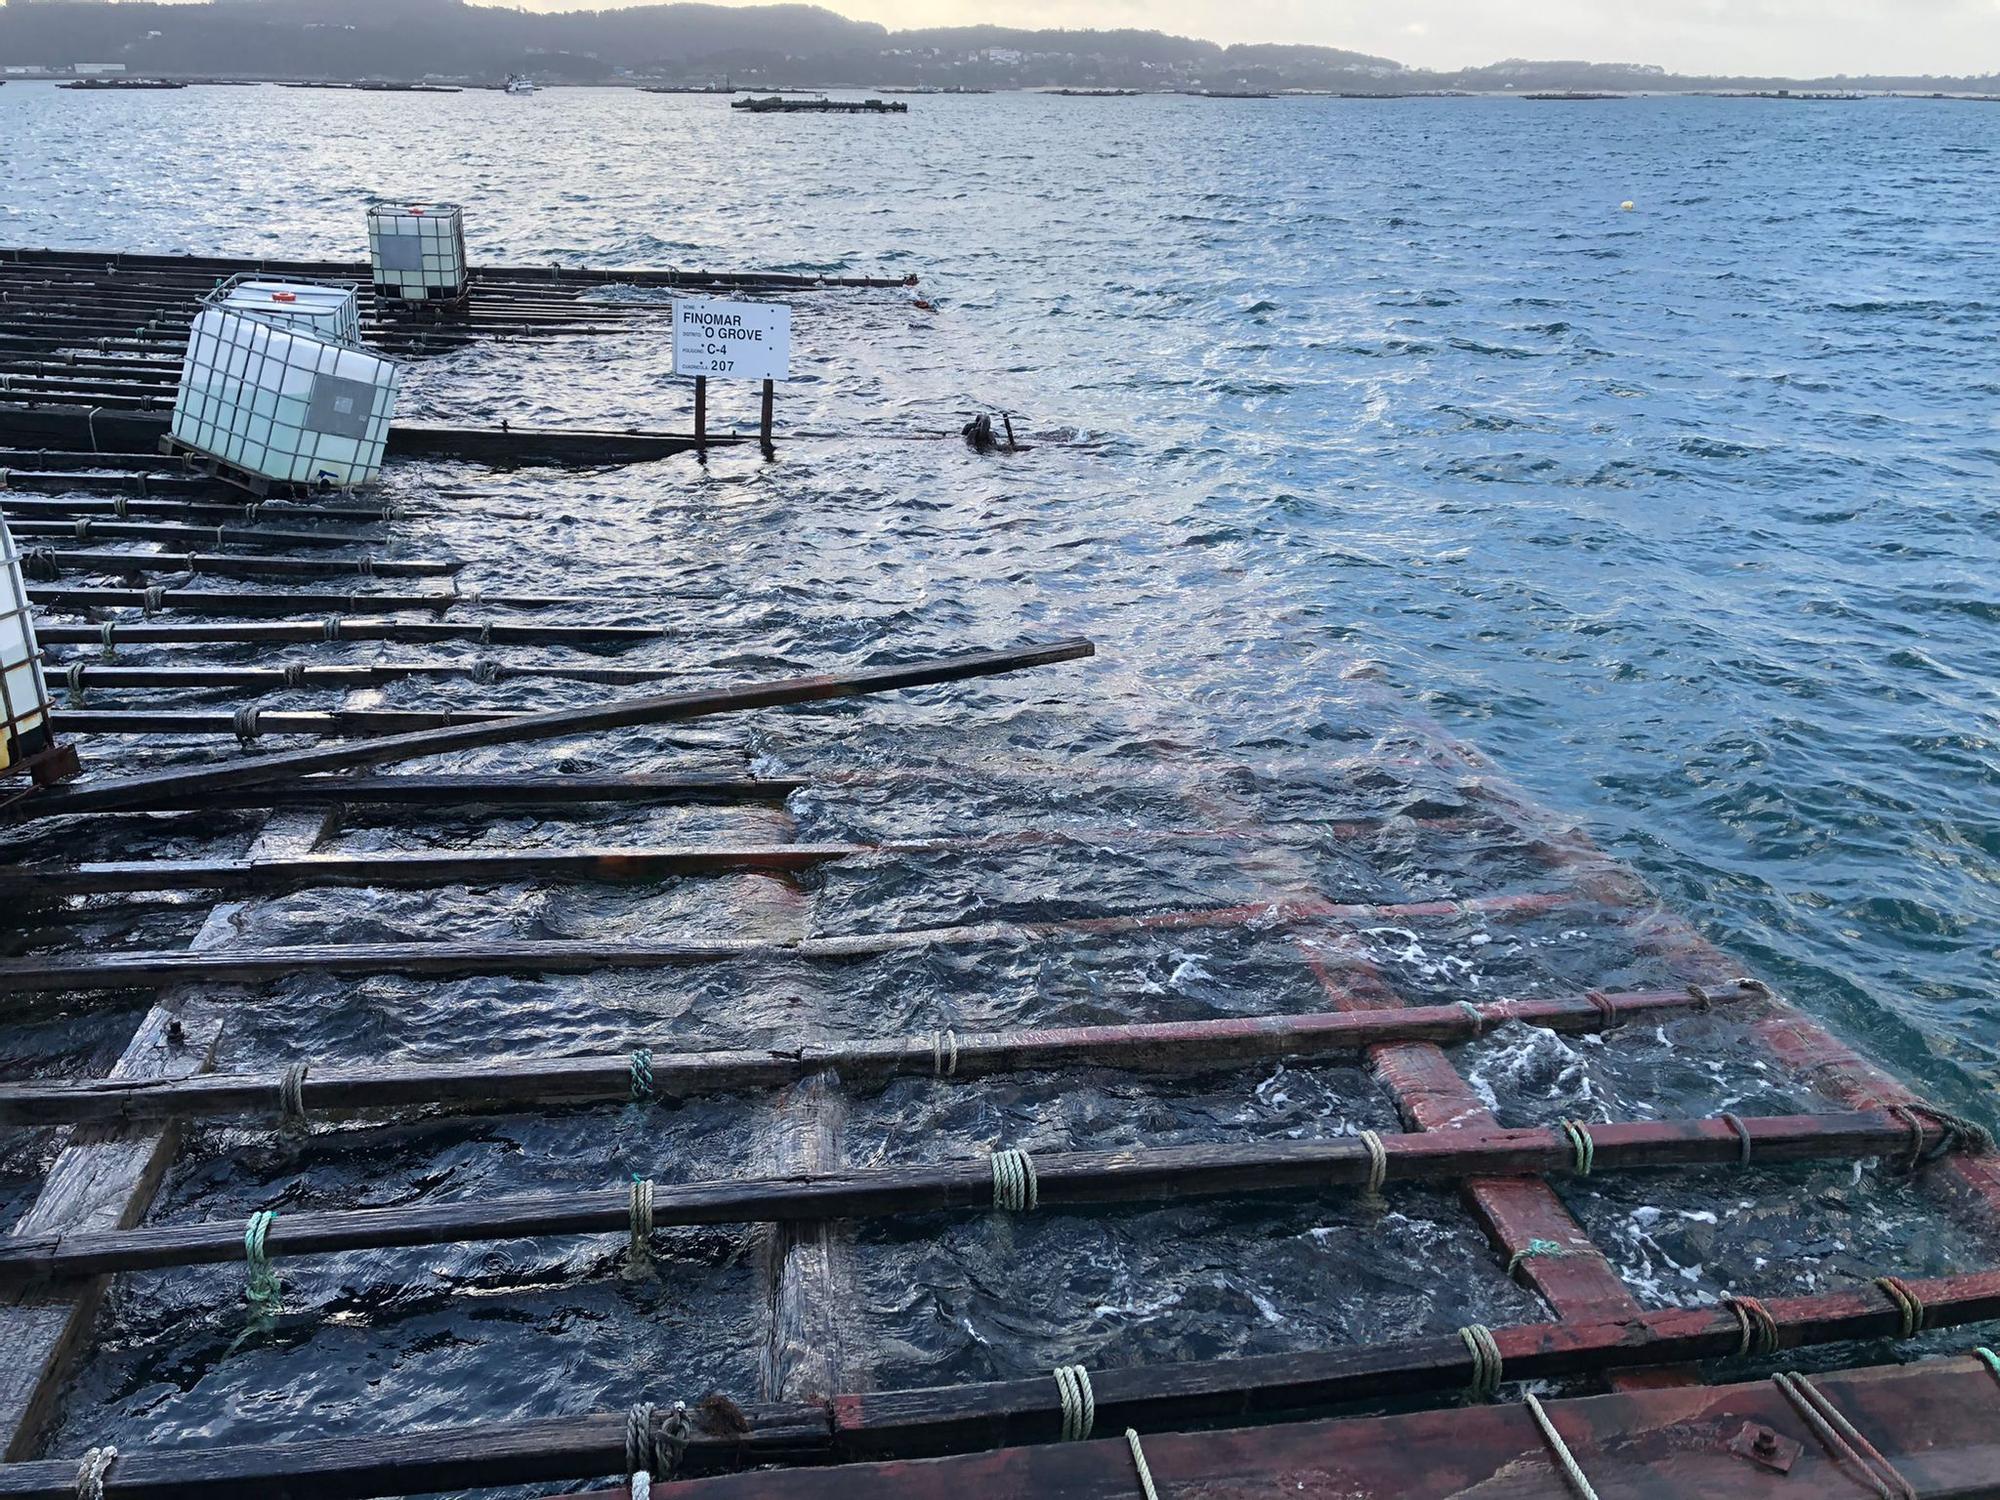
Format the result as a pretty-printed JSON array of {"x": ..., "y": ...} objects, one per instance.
[
  {"x": 467, "y": 791},
  {"x": 105, "y": 1177},
  {"x": 389, "y": 870},
  {"x": 220, "y": 564},
  {"x": 1160, "y": 1174},
  {"x": 658, "y": 709},
  {"x": 1933, "y": 1422},
  {"x": 977, "y": 1418},
  {"x": 74, "y": 598},
  {"x": 107, "y": 973},
  {"x": 145, "y": 632},
  {"x": 1161, "y": 1047}
]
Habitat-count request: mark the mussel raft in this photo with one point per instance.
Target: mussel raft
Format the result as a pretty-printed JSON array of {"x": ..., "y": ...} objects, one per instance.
[{"x": 1649, "y": 1387}]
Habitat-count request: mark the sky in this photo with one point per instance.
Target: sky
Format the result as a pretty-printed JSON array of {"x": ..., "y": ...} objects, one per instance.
[{"x": 1797, "y": 38}]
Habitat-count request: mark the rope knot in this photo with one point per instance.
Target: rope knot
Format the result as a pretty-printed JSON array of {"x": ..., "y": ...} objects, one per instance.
[
  {"x": 1908, "y": 1304},
  {"x": 1758, "y": 1328},
  {"x": 1078, "y": 1402},
  {"x": 1015, "y": 1186},
  {"x": 1583, "y": 1149}
]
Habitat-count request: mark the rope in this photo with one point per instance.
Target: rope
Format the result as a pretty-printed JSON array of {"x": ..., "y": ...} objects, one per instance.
[
  {"x": 485, "y": 670},
  {"x": 91, "y": 1471},
  {"x": 642, "y": 1220},
  {"x": 292, "y": 1096},
  {"x": 1585, "y": 1149},
  {"x": 1959, "y": 1133},
  {"x": 83, "y": 528},
  {"x": 295, "y": 674},
  {"x": 1566, "y": 1460},
  {"x": 1759, "y": 1328},
  {"x": 245, "y": 723},
  {"x": 39, "y": 563},
  {"x": 1378, "y": 1160},
  {"x": 105, "y": 634},
  {"x": 1550, "y": 1250},
  {"x": 944, "y": 1054},
  {"x": 156, "y": 597},
  {"x": 1079, "y": 1402},
  {"x": 1755, "y": 987},
  {"x": 1485, "y": 1359},
  {"x": 119, "y": 506},
  {"x": 75, "y": 675},
  {"x": 1989, "y": 1359},
  {"x": 1908, "y": 1303},
  {"x": 1139, "y": 1462},
  {"x": 642, "y": 1075},
  {"x": 1742, "y": 1137},
  {"x": 1702, "y": 999},
  {"x": 1015, "y": 1187},
  {"x": 330, "y": 627},
  {"x": 1841, "y": 1438},
  {"x": 366, "y": 565},
  {"x": 262, "y": 1290},
  {"x": 1915, "y": 1122},
  {"x": 1475, "y": 1015},
  {"x": 1612, "y": 1019}
]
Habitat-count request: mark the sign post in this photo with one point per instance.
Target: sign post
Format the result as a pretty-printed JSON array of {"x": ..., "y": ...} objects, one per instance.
[{"x": 732, "y": 341}]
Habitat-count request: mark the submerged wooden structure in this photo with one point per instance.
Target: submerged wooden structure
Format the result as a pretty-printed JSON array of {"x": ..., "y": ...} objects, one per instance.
[{"x": 1655, "y": 1398}]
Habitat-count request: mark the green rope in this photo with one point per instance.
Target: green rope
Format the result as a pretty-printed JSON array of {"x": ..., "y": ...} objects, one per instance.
[
  {"x": 1992, "y": 1360},
  {"x": 1015, "y": 1186},
  {"x": 642, "y": 1076},
  {"x": 1578, "y": 1135},
  {"x": 1549, "y": 1250},
  {"x": 263, "y": 1288},
  {"x": 1485, "y": 1359},
  {"x": 639, "y": 1255}
]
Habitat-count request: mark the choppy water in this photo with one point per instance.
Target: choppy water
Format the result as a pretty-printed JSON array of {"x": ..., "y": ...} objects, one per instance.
[{"x": 1347, "y": 413}]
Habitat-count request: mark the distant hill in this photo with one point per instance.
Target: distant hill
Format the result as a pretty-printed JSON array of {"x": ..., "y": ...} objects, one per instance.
[{"x": 762, "y": 45}]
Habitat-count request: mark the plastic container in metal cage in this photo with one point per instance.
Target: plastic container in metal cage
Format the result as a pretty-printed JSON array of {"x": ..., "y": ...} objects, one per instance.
[
  {"x": 24, "y": 694},
  {"x": 284, "y": 404},
  {"x": 418, "y": 253},
  {"x": 322, "y": 307}
]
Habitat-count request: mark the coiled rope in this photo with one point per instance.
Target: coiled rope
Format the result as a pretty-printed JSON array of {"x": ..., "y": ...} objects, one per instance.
[
  {"x": 1759, "y": 1328},
  {"x": 1908, "y": 1303},
  {"x": 1584, "y": 1149},
  {"x": 1742, "y": 1137},
  {"x": 330, "y": 627},
  {"x": 1378, "y": 1162},
  {"x": 1139, "y": 1462},
  {"x": 1485, "y": 1353},
  {"x": 1015, "y": 1186},
  {"x": 944, "y": 1054},
  {"x": 90, "y": 1472},
  {"x": 642, "y": 1076},
  {"x": 295, "y": 674},
  {"x": 641, "y": 1213},
  {"x": 653, "y": 1448},
  {"x": 292, "y": 1097},
  {"x": 155, "y": 599},
  {"x": 1605, "y": 1008},
  {"x": 263, "y": 1289},
  {"x": 1566, "y": 1460},
  {"x": 245, "y": 723},
  {"x": 1078, "y": 1401}
]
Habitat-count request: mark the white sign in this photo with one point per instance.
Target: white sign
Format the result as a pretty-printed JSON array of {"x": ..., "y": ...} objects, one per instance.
[{"x": 733, "y": 340}]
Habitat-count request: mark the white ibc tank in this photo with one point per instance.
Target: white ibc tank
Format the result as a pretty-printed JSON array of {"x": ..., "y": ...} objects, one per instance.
[
  {"x": 283, "y": 403},
  {"x": 418, "y": 253},
  {"x": 24, "y": 695},
  {"x": 316, "y": 306}
]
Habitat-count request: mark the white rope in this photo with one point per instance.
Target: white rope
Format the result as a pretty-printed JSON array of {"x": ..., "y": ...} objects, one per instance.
[
  {"x": 944, "y": 1054},
  {"x": 1139, "y": 1463},
  {"x": 90, "y": 1473},
  {"x": 1572, "y": 1470},
  {"x": 1378, "y": 1160},
  {"x": 642, "y": 1218},
  {"x": 1079, "y": 1402},
  {"x": 1015, "y": 1188}
]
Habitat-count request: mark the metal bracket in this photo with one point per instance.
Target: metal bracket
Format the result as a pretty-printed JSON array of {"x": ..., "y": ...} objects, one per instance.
[{"x": 1765, "y": 1448}]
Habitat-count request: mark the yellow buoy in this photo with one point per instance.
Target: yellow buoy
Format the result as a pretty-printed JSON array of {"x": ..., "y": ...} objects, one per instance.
[{"x": 1627, "y": 206}]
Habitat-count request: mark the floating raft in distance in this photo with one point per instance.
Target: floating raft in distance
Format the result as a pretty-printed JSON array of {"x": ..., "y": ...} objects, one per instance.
[{"x": 777, "y": 104}]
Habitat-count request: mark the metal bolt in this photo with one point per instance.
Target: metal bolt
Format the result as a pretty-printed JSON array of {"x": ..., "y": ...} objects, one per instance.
[
  {"x": 1766, "y": 1443},
  {"x": 176, "y": 1034}
]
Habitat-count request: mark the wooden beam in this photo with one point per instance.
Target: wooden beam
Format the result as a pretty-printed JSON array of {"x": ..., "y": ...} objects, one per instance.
[
  {"x": 1161, "y": 1174},
  {"x": 74, "y": 598},
  {"x": 339, "y": 628},
  {"x": 1167, "y": 1047},
  {"x": 223, "y": 565},
  {"x": 367, "y": 790},
  {"x": 390, "y": 870},
  {"x": 660, "y": 709},
  {"x": 997, "y": 1414}
]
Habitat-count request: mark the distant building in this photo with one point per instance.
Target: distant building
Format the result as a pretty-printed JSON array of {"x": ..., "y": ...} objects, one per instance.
[
  {"x": 97, "y": 70},
  {"x": 1006, "y": 56}
]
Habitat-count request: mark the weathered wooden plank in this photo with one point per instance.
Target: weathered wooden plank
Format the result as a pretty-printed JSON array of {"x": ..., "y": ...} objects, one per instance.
[
  {"x": 222, "y": 565},
  {"x": 657, "y": 709},
  {"x": 388, "y": 869},
  {"x": 76, "y": 597},
  {"x": 105, "y": 1177},
  {"x": 142, "y": 969},
  {"x": 144, "y": 632},
  {"x": 1164, "y": 1047},
  {"x": 1066, "y": 1178},
  {"x": 551, "y": 792}
]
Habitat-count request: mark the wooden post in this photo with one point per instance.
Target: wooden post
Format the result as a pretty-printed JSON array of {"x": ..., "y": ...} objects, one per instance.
[
  {"x": 764, "y": 421},
  {"x": 701, "y": 417}
]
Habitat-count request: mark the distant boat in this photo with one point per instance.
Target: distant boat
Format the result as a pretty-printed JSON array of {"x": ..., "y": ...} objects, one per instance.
[
  {"x": 120, "y": 85},
  {"x": 777, "y": 104},
  {"x": 520, "y": 83}
]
